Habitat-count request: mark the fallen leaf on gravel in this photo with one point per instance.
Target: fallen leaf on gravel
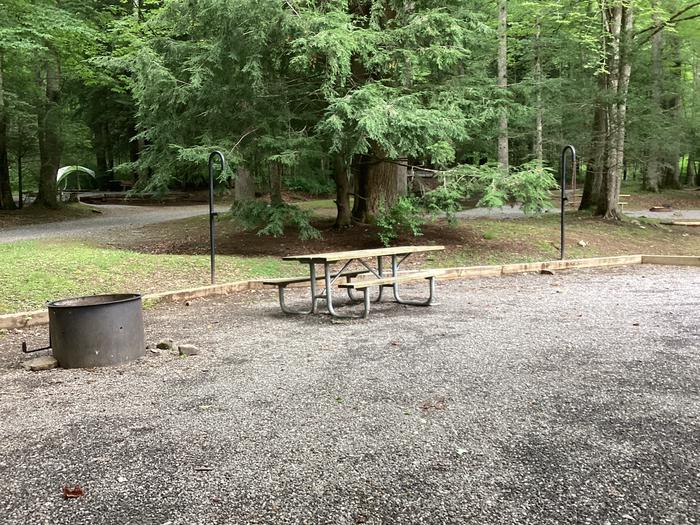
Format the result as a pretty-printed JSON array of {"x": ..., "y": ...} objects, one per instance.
[
  {"x": 436, "y": 404},
  {"x": 216, "y": 499},
  {"x": 72, "y": 492}
]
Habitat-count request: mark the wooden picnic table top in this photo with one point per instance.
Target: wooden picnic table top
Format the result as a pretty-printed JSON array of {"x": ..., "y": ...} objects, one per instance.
[{"x": 360, "y": 254}]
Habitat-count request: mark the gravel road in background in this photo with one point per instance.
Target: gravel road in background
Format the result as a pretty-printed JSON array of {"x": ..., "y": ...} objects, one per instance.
[
  {"x": 572, "y": 398},
  {"x": 113, "y": 217}
]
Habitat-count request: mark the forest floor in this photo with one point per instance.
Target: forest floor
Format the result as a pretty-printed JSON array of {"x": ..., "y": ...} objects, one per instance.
[
  {"x": 29, "y": 215},
  {"x": 473, "y": 241}
]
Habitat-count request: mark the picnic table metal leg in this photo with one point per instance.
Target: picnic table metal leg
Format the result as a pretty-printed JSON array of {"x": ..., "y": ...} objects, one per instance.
[
  {"x": 395, "y": 287},
  {"x": 329, "y": 298},
  {"x": 380, "y": 270},
  {"x": 427, "y": 302},
  {"x": 314, "y": 297},
  {"x": 284, "y": 307},
  {"x": 378, "y": 273}
]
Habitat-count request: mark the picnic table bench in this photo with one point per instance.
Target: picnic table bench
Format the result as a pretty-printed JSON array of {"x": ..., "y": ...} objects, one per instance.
[{"x": 372, "y": 275}]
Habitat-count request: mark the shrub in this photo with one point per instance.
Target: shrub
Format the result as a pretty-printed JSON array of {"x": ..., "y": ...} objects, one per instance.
[
  {"x": 406, "y": 216},
  {"x": 271, "y": 220}
]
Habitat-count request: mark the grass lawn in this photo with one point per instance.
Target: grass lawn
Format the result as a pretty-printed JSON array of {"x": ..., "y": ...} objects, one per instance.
[{"x": 33, "y": 272}]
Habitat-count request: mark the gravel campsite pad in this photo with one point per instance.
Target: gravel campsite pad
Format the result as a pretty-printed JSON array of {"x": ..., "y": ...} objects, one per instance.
[{"x": 566, "y": 398}]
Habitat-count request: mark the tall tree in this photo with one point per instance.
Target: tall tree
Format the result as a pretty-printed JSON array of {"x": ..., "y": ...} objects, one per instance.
[
  {"x": 619, "y": 23},
  {"x": 49, "y": 120},
  {"x": 6, "y": 200},
  {"x": 503, "y": 82},
  {"x": 605, "y": 172}
]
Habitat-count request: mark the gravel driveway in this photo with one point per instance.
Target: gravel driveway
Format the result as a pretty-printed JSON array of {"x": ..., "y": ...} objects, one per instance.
[
  {"x": 515, "y": 212},
  {"x": 113, "y": 217},
  {"x": 676, "y": 215},
  {"x": 572, "y": 398}
]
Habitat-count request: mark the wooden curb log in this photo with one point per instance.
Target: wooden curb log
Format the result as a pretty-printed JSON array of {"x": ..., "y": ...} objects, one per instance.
[{"x": 41, "y": 317}]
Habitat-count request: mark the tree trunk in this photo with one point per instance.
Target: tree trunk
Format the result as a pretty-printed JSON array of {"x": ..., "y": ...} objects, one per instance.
[
  {"x": 109, "y": 148},
  {"x": 651, "y": 180},
  {"x": 276, "y": 183},
  {"x": 7, "y": 202},
  {"x": 100, "y": 157},
  {"x": 244, "y": 185},
  {"x": 359, "y": 206},
  {"x": 503, "y": 160},
  {"x": 138, "y": 9},
  {"x": 539, "y": 156},
  {"x": 342, "y": 192},
  {"x": 378, "y": 186},
  {"x": 671, "y": 169},
  {"x": 692, "y": 175},
  {"x": 620, "y": 23},
  {"x": 595, "y": 168},
  {"x": 49, "y": 131},
  {"x": 402, "y": 177}
]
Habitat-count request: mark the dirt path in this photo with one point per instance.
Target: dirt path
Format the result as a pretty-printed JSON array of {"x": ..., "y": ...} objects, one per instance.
[{"x": 113, "y": 217}]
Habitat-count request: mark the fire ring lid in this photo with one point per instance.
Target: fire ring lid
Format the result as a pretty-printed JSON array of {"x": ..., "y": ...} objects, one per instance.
[{"x": 95, "y": 300}]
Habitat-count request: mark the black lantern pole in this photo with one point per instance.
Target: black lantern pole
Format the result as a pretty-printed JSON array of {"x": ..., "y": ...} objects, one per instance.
[
  {"x": 563, "y": 190},
  {"x": 212, "y": 213}
]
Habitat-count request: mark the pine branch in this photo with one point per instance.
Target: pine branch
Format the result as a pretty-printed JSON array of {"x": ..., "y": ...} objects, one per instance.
[{"x": 676, "y": 18}]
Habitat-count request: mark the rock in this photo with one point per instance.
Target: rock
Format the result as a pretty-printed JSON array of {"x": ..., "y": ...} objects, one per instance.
[
  {"x": 166, "y": 344},
  {"x": 635, "y": 222},
  {"x": 582, "y": 243},
  {"x": 188, "y": 350},
  {"x": 46, "y": 362}
]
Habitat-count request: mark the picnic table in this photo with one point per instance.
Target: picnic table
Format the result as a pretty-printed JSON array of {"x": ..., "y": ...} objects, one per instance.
[{"x": 371, "y": 275}]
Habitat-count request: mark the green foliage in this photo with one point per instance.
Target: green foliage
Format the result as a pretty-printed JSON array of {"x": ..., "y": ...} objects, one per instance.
[
  {"x": 148, "y": 88},
  {"x": 528, "y": 185},
  {"x": 271, "y": 219},
  {"x": 405, "y": 217},
  {"x": 310, "y": 185}
]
